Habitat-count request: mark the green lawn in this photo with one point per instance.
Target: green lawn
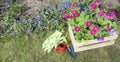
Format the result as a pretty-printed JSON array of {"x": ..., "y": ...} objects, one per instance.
[{"x": 29, "y": 50}]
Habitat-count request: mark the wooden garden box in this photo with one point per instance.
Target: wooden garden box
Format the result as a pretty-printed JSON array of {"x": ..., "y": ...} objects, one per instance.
[{"x": 91, "y": 44}]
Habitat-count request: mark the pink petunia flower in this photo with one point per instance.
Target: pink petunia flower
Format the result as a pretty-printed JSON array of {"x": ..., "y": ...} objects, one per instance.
[
  {"x": 93, "y": 6},
  {"x": 93, "y": 32},
  {"x": 74, "y": 4},
  {"x": 65, "y": 15},
  {"x": 108, "y": 16},
  {"x": 100, "y": 13},
  {"x": 113, "y": 13},
  {"x": 77, "y": 29},
  {"x": 73, "y": 11},
  {"x": 88, "y": 24},
  {"x": 96, "y": 1},
  {"x": 76, "y": 15},
  {"x": 96, "y": 28},
  {"x": 108, "y": 27},
  {"x": 70, "y": 17}
]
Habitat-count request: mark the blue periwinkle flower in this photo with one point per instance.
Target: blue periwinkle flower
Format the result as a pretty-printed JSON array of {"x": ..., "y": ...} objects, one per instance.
[
  {"x": 44, "y": 10},
  {"x": 82, "y": 8},
  {"x": 54, "y": 7},
  {"x": 37, "y": 17},
  {"x": 15, "y": 21},
  {"x": 51, "y": 22},
  {"x": 100, "y": 38},
  {"x": 65, "y": 4},
  {"x": 54, "y": 21},
  {"x": 88, "y": 11},
  {"x": 42, "y": 20},
  {"x": 112, "y": 32},
  {"x": 60, "y": 8},
  {"x": 33, "y": 24},
  {"x": 22, "y": 21}
]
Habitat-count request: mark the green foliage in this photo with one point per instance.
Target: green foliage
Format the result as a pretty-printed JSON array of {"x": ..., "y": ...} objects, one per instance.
[
  {"x": 12, "y": 22},
  {"x": 48, "y": 19},
  {"x": 52, "y": 17}
]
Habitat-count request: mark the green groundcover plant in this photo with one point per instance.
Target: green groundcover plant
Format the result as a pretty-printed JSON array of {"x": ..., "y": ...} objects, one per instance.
[{"x": 15, "y": 22}]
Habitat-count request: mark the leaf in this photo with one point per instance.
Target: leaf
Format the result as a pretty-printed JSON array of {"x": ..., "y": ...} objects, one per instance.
[
  {"x": 87, "y": 17},
  {"x": 83, "y": 14}
]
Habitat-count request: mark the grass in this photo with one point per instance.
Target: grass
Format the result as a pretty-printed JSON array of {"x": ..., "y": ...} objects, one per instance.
[{"x": 25, "y": 49}]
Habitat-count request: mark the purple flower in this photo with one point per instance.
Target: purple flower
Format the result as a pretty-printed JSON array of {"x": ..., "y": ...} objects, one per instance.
[
  {"x": 110, "y": 15},
  {"x": 88, "y": 11},
  {"x": 112, "y": 32},
  {"x": 82, "y": 8},
  {"x": 113, "y": 13},
  {"x": 37, "y": 17},
  {"x": 54, "y": 21},
  {"x": 60, "y": 8},
  {"x": 100, "y": 39},
  {"x": 22, "y": 19},
  {"x": 54, "y": 7},
  {"x": 33, "y": 24},
  {"x": 65, "y": 4}
]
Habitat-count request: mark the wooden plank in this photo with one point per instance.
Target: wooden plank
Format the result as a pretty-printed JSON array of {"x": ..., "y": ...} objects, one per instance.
[{"x": 93, "y": 46}]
